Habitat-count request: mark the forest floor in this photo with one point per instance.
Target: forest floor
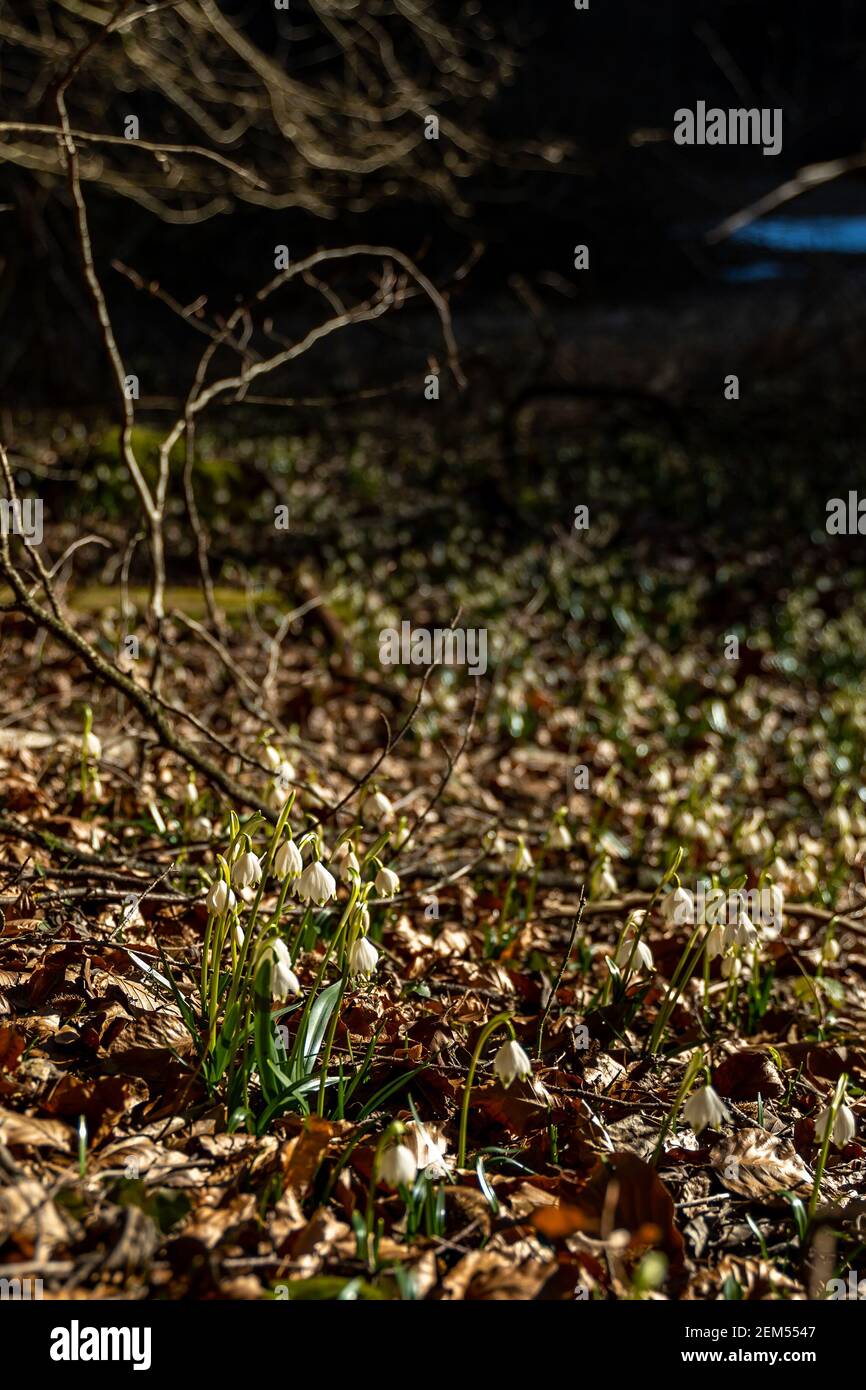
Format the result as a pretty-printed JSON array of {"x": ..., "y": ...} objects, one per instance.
[{"x": 673, "y": 707}]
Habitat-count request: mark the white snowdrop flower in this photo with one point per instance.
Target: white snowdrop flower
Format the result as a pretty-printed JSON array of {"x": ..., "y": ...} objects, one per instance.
[
  {"x": 202, "y": 827},
  {"x": 397, "y": 1166},
  {"x": 607, "y": 882},
  {"x": 239, "y": 936},
  {"x": 844, "y": 1128},
  {"x": 96, "y": 788},
  {"x": 705, "y": 1109},
  {"x": 362, "y": 917},
  {"x": 343, "y": 848},
  {"x": 363, "y": 957},
  {"x": 679, "y": 907},
  {"x": 246, "y": 870},
  {"x": 349, "y": 868},
  {"x": 190, "y": 793},
  {"x": 315, "y": 884},
  {"x": 92, "y": 746},
  {"x": 278, "y": 795},
  {"x": 272, "y": 757},
  {"x": 387, "y": 883},
  {"x": 643, "y": 956},
  {"x": 742, "y": 932},
  {"x": 715, "y": 945},
  {"x": 285, "y": 775},
  {"x": 714, "y": 906},
  {"x": 287, "y": 861},
  {"x": 381, "y": 808},
  {"x": 559, "y": 837},
  {"x": 428, "y": 1148},
  {"x": 522, "y": 861},
  {"x": 401, "y": 835},
  {"x": 220, "y": 897},
  {"x": 284, "y": 981},
  {"x": 732, "y": 967},
  {"x": 511, "y": 1062},
  {"x": 830, "y": 951}
]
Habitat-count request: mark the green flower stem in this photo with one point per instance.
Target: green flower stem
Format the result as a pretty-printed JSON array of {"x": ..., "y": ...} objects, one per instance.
[
  {"x": 85, "y": 766},
  {"x": 687, "y": 962},
  {"x": 394, "y": 1130},
  {"x": 320, "y": 974},
  {"x": 691, "y": 1072},
  {"x": 329, "y": 1043},
  {"x": 502, "y": 1020},
  {"x": 825, "y": 1147},
  {"x": 205, "y": 954}
]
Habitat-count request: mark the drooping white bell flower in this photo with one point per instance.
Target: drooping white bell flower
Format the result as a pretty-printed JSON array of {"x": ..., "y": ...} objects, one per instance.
[
  {"x": 387, "y": 883},
  {"x": 287, "y": 861},
  {"x": 715, "y": 944},
  {"x": 246, "y": 870},
  {"x": 844, "y": 1127},
  {"x": 220, "y": 897},
  {"x": 679, "y": 907},
  {"x": 643, "y": 956},
  {"x": 607, "y": 881},
  {"x": 511, "y": 1063},
  {"x": 91, "y": 746},
  {"x": 522, "y": 861},
  {"x": 559, "y": 837},
  {"x": 742, "y": 932},
  {"x": 397, "y": 1166},
  {"x": 732, "y": 967},
  {"x": 272, "y": 757},
  {"x": 284, "y": 981},
  {"x": 705, "y": 1109},
  {"x": 363, "y": 957},
  {"x": 190, "y": 793},
  {"x": 348, "y": 867},
  {"x": 315, "y": 884},
  {"x": 381, "y": 808}
]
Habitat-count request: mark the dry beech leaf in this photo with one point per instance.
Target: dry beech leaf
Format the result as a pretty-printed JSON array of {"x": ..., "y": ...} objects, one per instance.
[
  {"x": 760, "y": 1165},
  {"x": 12, "y": 1044},
  {"x": 23, "y": 1132},
  {"x": 623, "y": 1193},
  {"x": 746, "y": 1074}
]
